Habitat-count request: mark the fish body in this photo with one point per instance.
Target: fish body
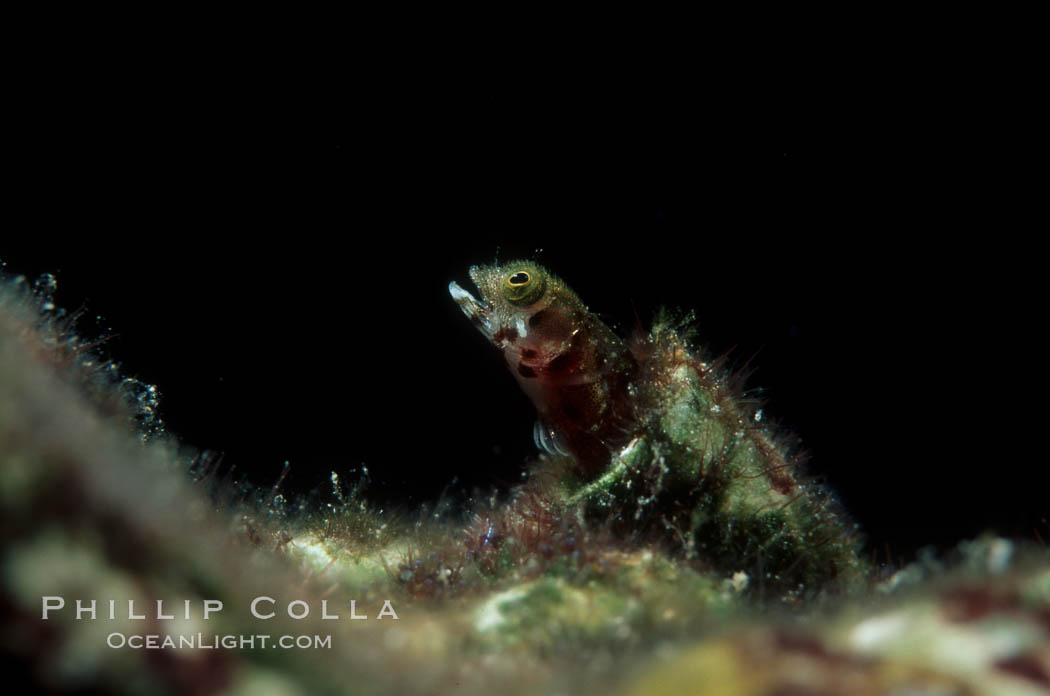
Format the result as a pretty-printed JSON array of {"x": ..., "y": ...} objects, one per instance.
[{"x": 574, "y": 369}]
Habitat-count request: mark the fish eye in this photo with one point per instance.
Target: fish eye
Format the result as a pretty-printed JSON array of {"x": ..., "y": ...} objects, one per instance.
[
  {"x": 524, "y": 285},
  {"x": 518, "y": 279}
]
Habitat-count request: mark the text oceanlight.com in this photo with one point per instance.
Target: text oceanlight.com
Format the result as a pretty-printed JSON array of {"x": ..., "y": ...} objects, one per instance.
[{"x": 200, "y": 641}]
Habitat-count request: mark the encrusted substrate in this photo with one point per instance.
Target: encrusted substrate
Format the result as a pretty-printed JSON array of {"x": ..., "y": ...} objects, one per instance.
[
  {"x": 980, "y": 629},
  {"x": 643, "y": 580}
]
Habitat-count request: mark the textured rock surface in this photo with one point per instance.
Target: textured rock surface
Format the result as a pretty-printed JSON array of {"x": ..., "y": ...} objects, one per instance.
[{"x": 684, "y": 568}]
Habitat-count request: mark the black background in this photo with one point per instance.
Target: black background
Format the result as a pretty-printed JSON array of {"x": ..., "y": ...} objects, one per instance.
[{"x": 284, "y": 283}]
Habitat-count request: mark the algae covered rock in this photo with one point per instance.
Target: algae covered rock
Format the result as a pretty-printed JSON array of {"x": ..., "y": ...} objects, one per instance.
[
  {"x": 975, "y": 629},
  {"x": 683, "y": 556}
]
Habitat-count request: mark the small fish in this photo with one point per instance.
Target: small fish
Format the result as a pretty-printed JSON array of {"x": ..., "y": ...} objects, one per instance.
[
  {"x": 663, "y": 442},
  {"x": 576, "y": 371}
]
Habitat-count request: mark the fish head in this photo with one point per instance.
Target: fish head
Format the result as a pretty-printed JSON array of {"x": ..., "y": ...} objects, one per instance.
[{"x": 511, "y": 296}]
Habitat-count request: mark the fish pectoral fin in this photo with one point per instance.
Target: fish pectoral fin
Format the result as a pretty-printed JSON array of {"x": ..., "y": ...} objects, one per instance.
[{"x": 547, "y": 440}]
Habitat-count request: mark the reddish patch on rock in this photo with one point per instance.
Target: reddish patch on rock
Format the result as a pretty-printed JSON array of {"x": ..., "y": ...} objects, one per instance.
[{"x": 1025, "y": 666}]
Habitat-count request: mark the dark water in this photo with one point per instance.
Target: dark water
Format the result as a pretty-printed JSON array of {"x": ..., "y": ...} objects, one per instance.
[{"x": 288, "y": 296}]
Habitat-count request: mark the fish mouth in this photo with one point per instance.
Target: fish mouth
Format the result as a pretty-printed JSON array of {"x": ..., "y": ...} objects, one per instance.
[{"x": 479, "y": 312}]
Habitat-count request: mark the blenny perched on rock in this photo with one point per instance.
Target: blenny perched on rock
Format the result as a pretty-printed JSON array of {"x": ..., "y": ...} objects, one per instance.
[{"x": 659, "y": 440}]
